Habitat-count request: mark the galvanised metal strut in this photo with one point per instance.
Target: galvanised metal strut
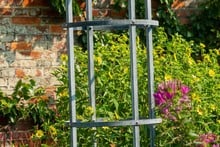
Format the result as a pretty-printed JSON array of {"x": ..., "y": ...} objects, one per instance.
[{"x": 131, "y": 24}]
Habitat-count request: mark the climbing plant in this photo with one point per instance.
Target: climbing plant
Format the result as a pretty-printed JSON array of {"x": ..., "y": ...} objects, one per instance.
[
  {"x": 205, "y": 26},
  {"x": 59, "y": 5},
  {"x": 167, "y": 17}
]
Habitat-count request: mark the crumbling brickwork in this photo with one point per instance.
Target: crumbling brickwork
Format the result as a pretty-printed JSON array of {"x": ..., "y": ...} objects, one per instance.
[
  {"x": 186, "y": 8},
  {"x": 31, "y": 37},
  {"x": 31, "y": 40}
]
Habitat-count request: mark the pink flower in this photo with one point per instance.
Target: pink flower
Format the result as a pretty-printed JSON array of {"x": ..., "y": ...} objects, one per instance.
[
  {"x": 159, "y": 98},
  {"x": 168, "y": 94},
  {"x": 207, "y": 139},
  {"x": 185, "y": 89}
]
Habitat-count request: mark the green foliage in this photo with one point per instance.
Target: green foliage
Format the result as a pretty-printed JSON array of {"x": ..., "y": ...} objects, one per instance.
[
  {"x": 173, "y": 59},
  {"x": 60, "y": 6},
  {"x": 27, "y": 101},
  {"x": 205, "y": 26},
  {"x": 197, "y": 30},
  {"x": 112, "y": 96},
  {"x": 167, "y": 17}
]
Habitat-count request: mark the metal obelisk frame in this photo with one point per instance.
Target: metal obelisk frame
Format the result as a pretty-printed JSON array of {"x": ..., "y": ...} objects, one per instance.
[{"x": 131, "y": 24}]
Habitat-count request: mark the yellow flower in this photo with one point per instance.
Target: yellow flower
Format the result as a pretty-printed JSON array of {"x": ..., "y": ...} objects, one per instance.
[
  {"x": 207, "y": 58},
  {"x": 52, "y": 130},
  {"x": 168, "y": 77},
  {"x": 217, "y": 52},
  {"x": 202, "y": 45},
  {"x": 64, "y": 93},
  {"x": 213, "y": 107},
  {"x": 125, "y": 70},
  {"x": 64, "y": 57},
  {"x": 190, "y": 61},
  {"x": 88, "y": 111},
  {"x": 105, "y": 128},
  {"x": 99, "y": 60},
  {"x": 39, "y": 134},
  {"x": 195, "y": 78},
  {"x": 218, "y": 121},
  {"x": 199, "y": 111},
  {"x": 80, "y": 117},
  {"x": 211, "y": 73},
  {"x": 195, "y": 97}
]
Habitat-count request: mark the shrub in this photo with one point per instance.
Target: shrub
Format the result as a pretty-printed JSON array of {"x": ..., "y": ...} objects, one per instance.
[
  {"x": 173, "y": 59},
  {"x": 27, "y": 114},
  {"x": 187, "y": 99},
  {"x": 113, "y": 96}
]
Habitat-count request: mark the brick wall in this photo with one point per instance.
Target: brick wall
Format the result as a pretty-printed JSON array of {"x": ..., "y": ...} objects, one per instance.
[
  {"x": 31, "y": 39},
  {"x": 186, "y": 8},
  {"x": 183, "y": 8}
]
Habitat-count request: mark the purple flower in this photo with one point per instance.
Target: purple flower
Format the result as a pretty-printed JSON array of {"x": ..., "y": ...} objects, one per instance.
[
  {"x": 185, "y": 89},
  {"x": 184, "y": 99},
  {"x": 166, "y": 91},
  {"x": 207, "y": 139},
  {"x": 172, "y": 117},
  {"x": 159, "y": 98},
  {"x": 172, "y": 98},
  {"x": 168, "y": 95},
  {"x": 165, "y": 111}
]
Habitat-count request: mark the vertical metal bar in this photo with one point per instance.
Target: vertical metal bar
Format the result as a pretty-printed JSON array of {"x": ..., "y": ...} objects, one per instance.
[
  {"x": 71, "y": 73},
  {"x": 91, "y": 76},
  {"x": 90, "y": 46},
  {"x": 149, "y": 43},
  {"x": 134, "y": 83}
]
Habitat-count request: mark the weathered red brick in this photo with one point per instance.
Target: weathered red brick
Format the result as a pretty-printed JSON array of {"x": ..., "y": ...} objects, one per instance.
[
  {"x": 78, "y": 18},
  {"x": 27, "y": 3},
  {"x": 17, "y": 2},
  {"x": 19, "y": 73},
  {"x": 35, "y": 54},
  {"x": 118, "y": 14},
  {"x": 56, "y": 29},
  {"x": 95, "y": 12},
  {"x": 184, "y": 20},
  {"x": 42, "y": 28},
  {"x": 178, "y": 4},
  {"x": 26, "y": 20},
  {"x": 50, "y": 90},
  {"x": 50, "y": 12},
  {"x": 155, "y": 4},
  {"x": 5, "y": 11},
  {"x": 100, "y": 12},
  {"x": 52, "y": 20},
  {"x": 182, "y": 12},
  {"x": 4, "y": 3},
  {"x": 38, "y": 73},
  {"x": 25, "y": 53},
  {"x": 21, "y": 46},
  {"x": 82, "y": 5}
]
